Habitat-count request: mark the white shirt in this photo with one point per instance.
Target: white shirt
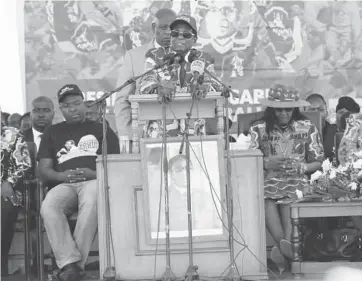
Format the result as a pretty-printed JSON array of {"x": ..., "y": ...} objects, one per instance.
[
  {"x": 156, "y": 44},
  {"x": 37, "y": 138}
]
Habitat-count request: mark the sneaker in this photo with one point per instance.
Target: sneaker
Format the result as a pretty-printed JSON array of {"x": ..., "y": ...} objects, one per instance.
[{"x": 70, "y": 272}]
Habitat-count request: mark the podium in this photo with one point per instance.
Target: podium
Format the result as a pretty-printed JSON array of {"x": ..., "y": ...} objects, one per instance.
[
  {"x": 137, "y": 247},
  {"x": 146, "y": 107}
]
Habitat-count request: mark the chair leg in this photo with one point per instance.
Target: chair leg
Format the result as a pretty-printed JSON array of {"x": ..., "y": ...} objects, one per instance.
[
  {"x": 27, "y": 231},
  {"x": 39, "y": 236}
]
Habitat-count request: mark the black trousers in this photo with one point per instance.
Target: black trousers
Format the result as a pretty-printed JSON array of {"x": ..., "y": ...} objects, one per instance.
[{"x": 9, "y": 214}]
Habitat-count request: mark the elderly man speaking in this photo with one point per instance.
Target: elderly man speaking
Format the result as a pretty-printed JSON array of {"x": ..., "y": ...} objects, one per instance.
[{"x": 180, "y": 78}]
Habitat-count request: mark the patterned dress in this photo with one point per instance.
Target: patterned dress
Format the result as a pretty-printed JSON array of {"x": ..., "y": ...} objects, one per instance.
[
  {"x": 300, "y": 142},
  {"x": 15, "y": 157},
  {"x": 172, "y": 75},
  {"x": 351, "y": 142}
]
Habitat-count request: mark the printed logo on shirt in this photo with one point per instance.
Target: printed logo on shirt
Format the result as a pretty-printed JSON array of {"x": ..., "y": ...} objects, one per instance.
[{"x": 87, "y": 146}]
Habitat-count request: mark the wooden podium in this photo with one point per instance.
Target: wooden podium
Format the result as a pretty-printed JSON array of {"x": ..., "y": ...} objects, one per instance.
[{"x": 134, "y": 181}]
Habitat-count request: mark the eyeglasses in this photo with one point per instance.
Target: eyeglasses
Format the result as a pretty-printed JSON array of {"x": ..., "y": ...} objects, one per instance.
[{"x": 185, "y": 34}]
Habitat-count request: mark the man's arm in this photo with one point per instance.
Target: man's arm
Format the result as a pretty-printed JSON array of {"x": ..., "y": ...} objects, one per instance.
[
  {"x": 47, "y": 171},
  {"x": 122, "y": 106},
  {"x": 149, "y": 82},
  {"x": 48, "y": 174}
]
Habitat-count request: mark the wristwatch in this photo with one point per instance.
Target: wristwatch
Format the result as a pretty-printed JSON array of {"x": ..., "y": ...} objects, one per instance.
[{"x": 302, "y": 168}]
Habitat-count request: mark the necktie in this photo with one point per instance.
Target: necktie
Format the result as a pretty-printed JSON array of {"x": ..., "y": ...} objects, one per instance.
[{"x": 182, "y": 74}]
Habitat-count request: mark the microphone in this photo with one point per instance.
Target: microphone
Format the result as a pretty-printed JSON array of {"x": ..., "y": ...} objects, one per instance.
[
  {"x": 197, "y": 68},
  {"x": 171, "y": 59}
]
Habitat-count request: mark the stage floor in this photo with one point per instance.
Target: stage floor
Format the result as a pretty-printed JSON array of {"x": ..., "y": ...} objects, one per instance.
[{"x": 93, "y": 276}]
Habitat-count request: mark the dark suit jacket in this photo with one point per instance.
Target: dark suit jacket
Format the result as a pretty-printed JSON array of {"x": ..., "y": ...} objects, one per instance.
[
  {"x": 329, "y": 131},
  {"x": 28, "y": 135}
]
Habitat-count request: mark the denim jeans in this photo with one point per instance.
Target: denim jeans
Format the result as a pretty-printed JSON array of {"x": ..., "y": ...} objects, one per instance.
[{"x": 60, "y": 203}]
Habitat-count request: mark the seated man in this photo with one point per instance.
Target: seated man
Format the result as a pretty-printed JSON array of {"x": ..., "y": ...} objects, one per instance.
[{"x": 74, "y": 169}]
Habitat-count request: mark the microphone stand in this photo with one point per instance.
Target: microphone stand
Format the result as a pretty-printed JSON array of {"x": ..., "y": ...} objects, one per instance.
[
  {"x": 168, "y": 275},
  {"x": 233, "y": 274},
  {"x": 110, "y": 271},
  {"x": 191, "y": 273}
]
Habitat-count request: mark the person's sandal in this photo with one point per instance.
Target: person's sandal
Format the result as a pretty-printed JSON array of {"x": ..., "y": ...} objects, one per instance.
[
  {"x": 286, "y": 249},
  {"x": 279, "y": 260}
]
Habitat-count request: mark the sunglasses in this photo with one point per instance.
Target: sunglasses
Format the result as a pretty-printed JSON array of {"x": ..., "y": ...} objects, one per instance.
[
  {"x": 185, "y": 34},
  {"x": 285, "y": 109}
]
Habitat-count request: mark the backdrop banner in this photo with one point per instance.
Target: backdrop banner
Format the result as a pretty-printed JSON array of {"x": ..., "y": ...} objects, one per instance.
[{"x": 314, "y": 45}]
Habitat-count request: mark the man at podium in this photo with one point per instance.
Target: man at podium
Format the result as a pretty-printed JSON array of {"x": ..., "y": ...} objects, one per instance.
[{"x": 180, "y": 77}]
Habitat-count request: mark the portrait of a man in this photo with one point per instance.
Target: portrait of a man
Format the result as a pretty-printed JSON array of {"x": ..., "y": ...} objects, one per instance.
[{"x": 205, "y": 219}]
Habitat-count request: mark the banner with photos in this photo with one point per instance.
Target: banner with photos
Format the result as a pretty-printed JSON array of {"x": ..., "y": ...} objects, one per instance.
[{"x": 314, "y": 45}]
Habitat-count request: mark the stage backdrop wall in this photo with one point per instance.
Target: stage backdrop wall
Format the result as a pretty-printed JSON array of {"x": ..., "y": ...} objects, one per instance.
[{"x": 317, "y": 46}]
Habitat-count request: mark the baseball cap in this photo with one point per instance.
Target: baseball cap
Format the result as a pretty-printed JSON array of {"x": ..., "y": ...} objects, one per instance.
[
  {"x": 69, "y": 89},
  {"x": 186, "y": 19}
]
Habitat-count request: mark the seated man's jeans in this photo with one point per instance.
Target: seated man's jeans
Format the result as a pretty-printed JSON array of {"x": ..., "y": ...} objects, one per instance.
[
  {"x": 9, "y": 214},
  {"x": 60, "y": 203}
]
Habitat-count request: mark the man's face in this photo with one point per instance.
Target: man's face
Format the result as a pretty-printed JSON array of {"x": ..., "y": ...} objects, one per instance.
[
  {"x": 318, "y": 105},
  {"x": 283, "y": 115},
  {"x": 221, "y": 18},
  {"x": 93, "y": 114},
  {"x": 153, "y": 130},
  {"x": 42, "y": 115},
  {"x": 25, "y": 123},
  {"x": 178, "y": 173},
  {"x": 161, "y": 29},
  {"x": 182, "y": 38},
  {"x": 14, "y": 120},
  {"x": 69, "y": 145},
  {"x": 73, "y": 108}
]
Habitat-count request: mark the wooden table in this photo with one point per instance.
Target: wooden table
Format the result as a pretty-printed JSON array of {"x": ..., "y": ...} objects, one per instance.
[{"x": 314, "y": 210}]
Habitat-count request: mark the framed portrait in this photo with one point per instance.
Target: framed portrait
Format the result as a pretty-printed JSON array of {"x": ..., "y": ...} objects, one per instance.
[{"x": 207, "y": 184}]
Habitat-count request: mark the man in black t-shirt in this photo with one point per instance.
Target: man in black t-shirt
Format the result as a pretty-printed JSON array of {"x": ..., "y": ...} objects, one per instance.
[{"x": 67, "y": 156}]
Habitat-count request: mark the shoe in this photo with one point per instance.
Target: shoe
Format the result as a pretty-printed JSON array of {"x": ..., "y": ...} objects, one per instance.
[
  {"x": 70, "y": 272},
  {"x": 279, "y": 260},
  {"x": 286, "y": 249}
]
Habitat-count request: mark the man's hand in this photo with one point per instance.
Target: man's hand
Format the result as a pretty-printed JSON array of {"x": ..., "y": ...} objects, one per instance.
[
  {"x": 87, "y": 173},
  {"x": 7, "y": 191},
  {"x": 166, "y": 91},
  {"x": 78, "y": 175}
]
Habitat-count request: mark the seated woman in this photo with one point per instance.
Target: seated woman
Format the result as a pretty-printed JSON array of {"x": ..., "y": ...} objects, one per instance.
[{"x": 292, "y": 148}]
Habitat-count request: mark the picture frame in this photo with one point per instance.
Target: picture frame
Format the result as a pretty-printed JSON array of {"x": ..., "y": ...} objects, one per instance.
[{"x": 207, "y": 190}]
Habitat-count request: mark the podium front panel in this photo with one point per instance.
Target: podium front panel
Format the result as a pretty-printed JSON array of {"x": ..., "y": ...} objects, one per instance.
[{"x": 133, "y": 240}]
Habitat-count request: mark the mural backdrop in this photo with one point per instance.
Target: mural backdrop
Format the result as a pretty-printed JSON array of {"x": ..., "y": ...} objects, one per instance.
[{"x": 315, "y": 45}]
